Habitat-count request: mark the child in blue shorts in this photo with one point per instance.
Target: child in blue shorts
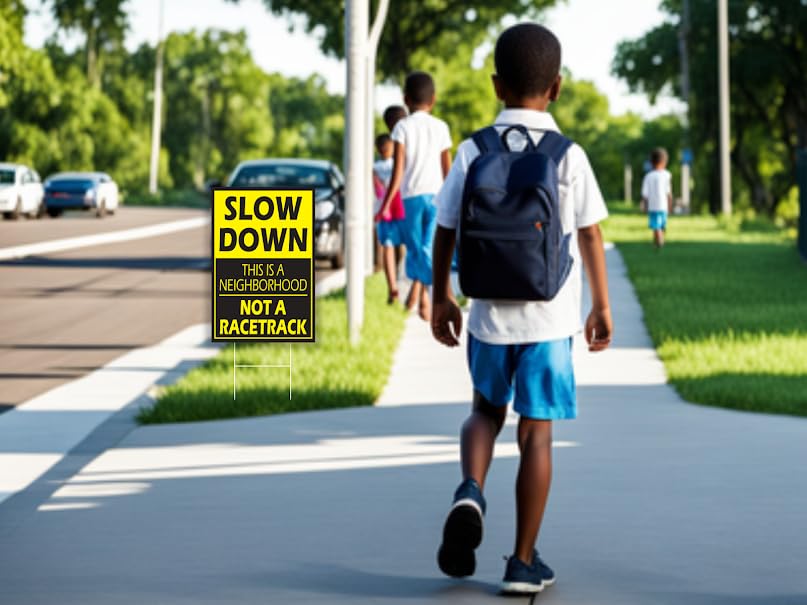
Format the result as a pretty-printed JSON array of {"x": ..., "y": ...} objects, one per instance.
[
  {"x": 389, "y": 225},
  {"x": 422, "y": 158},
  {"x": 519, "y": 350},
  {"x": 657, "y": 195}
]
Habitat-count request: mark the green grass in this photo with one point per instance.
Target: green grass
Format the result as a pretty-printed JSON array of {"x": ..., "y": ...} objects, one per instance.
[
  {"x": 327, "y": 374},
  {"x": 175, "y": 198},
  {"x": 726, "y": 305}
]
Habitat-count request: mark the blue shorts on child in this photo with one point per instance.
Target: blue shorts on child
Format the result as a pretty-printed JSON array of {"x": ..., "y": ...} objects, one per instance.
[
  {"x": 657, "y": 219},
  {"x": 539, "y": 376},
  {"x": 419, "y": 224},
  {"x": 389, "y": 233}
]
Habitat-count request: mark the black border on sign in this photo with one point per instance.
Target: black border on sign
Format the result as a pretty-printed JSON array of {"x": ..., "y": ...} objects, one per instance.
[{"x": 312, "y": 261}]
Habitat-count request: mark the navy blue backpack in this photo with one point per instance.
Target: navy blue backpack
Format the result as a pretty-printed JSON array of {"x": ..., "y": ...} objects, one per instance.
[{"x": 511, "y": 242}]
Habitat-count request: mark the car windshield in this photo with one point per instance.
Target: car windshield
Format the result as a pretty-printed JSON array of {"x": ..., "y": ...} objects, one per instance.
[
  {"x": 71, "y": 184},
  {"x": 6, "y": 177},
  {"x": 281, "y": 175}
]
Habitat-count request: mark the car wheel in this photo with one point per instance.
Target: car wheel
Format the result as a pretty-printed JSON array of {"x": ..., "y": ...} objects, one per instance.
[
  {"x": 16, "y": 213},
  {"x": 101, "y": 212},
  {"x": 40, "y": 211},
  {"x": 338, "y": 260},
  {"x": 54, "y": 212}
]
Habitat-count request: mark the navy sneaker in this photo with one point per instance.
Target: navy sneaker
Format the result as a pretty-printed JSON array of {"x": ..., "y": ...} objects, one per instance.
[
  {"x": 462, "y": 532},
  {"x": 520, "y": 578}
]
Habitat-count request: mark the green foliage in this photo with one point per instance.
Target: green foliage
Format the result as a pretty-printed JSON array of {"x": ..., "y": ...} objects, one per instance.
[
  {"x": 216, "y": 105},
  {"x": 724, "y": 304},
  {"x": 309, "y": 121},
  {"x": 768, "y": 80},
  {"x": 219, "y": 107},
  {"x": 327, "y": 374},
  {"x": 103, "y": 24},
  {"x": 410, "y": 26}
]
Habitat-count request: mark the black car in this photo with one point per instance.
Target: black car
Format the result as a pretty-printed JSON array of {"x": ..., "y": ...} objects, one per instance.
[{"x": 329, "y": 196}]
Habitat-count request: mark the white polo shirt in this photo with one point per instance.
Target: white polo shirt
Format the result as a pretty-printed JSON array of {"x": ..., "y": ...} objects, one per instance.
[
  {"x": 424, "y": 138},
  {"x": 581, "y": 205},
  {"x": 656, "y": 187}
]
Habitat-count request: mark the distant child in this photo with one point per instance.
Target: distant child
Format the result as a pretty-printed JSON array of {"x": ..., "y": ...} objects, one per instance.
[
  {"x": 394, "y": 114},
  {"x": 519, "y": 350},
  {"x": 657, "y": 195},
  {"x": 390, "y": 224},
  {"x": 422, "y": 159}
]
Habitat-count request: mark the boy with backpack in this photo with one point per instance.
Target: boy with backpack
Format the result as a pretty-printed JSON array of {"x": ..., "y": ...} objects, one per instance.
[
  {"x": 422, "y": 159},
  {"x": 657, "y": 195},
  {"x": 525, "y": 205}
]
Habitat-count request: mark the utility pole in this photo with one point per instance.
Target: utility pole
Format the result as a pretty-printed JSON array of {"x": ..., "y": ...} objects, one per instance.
[
  {"x": 723, "y": 81},
  {"x": 156, "y": 118},
  {"x": 356, "y": 17},
  {"x": 372, "y": 48},
  {"x": 686, "y": 159}
]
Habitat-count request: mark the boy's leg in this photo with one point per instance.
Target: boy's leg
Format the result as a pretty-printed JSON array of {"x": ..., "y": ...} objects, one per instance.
[
  {"x": 388, "y": 254},
  {"x": 532, "y": 485},
  {"x": 428, "y": 226},
  {"x": 478, "y": 436}
]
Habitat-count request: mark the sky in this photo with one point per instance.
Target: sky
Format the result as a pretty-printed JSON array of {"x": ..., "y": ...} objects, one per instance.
[{"x": 589, "y": 31}]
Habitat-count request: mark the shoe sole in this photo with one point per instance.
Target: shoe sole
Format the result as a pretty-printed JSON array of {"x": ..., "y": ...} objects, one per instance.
[
  {"x": 525, "y": 587},
  {"x": 521, "y": 587},
  {"x": 462, "y": 534}
]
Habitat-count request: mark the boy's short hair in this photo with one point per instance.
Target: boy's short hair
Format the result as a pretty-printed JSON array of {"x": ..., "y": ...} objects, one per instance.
[
  {"x": 381, "y": 140},
  {"x": 527, "y": 58},
  {"x": 419, "y": 88},
  {"x": 658, "y": 155},
  {"x": 393, "y": 114}
]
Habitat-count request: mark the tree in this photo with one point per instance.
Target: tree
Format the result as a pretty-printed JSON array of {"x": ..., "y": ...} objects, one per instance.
[
  {"x": 768, "y": 80},
  {"x": 410, "y": 26},
  {"x": 308, "y": 120},
  {"x": 216, "y": 105},
  {"x": 103, "y": 24}
]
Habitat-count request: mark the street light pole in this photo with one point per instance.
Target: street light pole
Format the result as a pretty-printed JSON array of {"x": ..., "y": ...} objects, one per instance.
[
  {"x": 372, "y": 48},
  {"x": 356, "y": 17},
  {"x": 723, "y": 80},
  {"x": 156, "y": 118}
]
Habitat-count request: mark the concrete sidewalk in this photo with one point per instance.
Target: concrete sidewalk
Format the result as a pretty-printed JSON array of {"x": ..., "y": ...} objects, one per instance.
[{"x": 655, "y": 501}]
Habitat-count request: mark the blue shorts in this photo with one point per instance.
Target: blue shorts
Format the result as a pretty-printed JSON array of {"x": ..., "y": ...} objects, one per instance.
[
  {"x": 539, "y": 375},
  {"x": 419, "y": 225},
  {"x": 657, "y": 219},
  {"x": 389, "y": 233}
]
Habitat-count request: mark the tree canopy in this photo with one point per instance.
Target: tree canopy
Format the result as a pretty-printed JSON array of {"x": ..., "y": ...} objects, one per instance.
[{"x": 768, "y": 83}]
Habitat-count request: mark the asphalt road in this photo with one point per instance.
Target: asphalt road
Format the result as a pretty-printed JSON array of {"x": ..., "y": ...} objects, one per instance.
[{"x": 67, "y": 314}]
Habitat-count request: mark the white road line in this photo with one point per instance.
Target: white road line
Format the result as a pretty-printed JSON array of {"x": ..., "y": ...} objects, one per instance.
[{"x": 112, "y": 237}]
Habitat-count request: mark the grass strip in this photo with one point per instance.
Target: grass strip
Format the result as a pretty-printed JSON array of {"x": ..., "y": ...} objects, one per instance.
[
  {"x": 726, "y": 306},
  {"x": 327, "y": 374}
]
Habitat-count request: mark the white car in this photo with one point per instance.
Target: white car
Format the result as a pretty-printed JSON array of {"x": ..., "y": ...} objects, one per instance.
[
  {"x": 81, "y": 191},
  {"x": 21, "y": 191}
]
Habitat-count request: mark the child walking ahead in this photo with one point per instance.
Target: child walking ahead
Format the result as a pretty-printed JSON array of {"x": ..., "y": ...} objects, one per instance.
[
  {"x": 390, "y": 224},
  {"x": 519, "y": 349},
  {"x": 421, "y": 161},
  {"x": 657, "y": 195}
]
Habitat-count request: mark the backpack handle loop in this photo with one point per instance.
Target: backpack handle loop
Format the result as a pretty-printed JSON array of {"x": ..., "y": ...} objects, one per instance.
[{"x": 529, "y": 145}]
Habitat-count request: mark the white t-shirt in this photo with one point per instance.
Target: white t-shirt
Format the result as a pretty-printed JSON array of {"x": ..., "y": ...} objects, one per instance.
[
  {"x": 424, "y": 138},
  {"x": 383, "y": 169},
  {"x": 581, "y": 205},
  {"x": 656, "y": 186}
]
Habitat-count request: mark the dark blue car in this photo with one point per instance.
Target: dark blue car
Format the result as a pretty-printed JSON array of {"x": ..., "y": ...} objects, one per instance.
[{"x": 80, "y": 191}]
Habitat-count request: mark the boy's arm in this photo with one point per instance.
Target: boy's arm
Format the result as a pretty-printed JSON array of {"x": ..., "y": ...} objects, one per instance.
[
  {"x": 445, "y": 162},
  {"x": 598, "y": 324},
  {"x": 669, "y": 203},
  {"x": 398, "y": 156},
  {"x": 446, "y": 315}
]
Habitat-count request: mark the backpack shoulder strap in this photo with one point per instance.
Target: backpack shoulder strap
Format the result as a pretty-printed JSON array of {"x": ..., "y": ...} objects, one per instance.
[
  {"x": 554, "y": 144},
  {"x": 488, "y": 140}
]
